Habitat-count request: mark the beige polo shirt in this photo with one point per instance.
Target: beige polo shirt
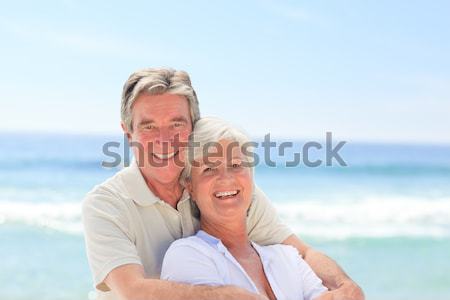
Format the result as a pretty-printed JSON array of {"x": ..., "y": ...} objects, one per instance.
[{"x": 125, "y": 223}]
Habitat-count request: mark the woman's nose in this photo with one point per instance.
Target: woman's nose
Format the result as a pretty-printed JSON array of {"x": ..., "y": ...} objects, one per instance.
[{"x": 224, "y": 173}]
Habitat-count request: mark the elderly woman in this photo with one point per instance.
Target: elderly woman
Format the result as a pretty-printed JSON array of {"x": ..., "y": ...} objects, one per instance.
[{"x": 219, "y": 179}]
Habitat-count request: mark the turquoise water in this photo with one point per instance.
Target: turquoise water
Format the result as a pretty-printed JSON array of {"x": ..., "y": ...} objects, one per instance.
[{"x": 385, "y": 218}]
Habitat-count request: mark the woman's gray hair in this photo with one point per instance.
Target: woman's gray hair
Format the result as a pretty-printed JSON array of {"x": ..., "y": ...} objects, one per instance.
[
  {"x": 157, "y": 81},
  {"x": 206, "y": 134}
]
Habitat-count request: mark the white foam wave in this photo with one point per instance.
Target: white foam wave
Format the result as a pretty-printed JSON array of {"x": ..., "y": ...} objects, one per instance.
[
  {"x": 370, "y": 217},
  {"x": 64, "y": 217}
]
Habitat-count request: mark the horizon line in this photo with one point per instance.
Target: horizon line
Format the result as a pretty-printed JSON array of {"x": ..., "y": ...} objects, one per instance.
[{"x": 254, "y": 137}]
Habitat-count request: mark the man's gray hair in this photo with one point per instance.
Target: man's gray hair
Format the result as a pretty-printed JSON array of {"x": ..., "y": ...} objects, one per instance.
[
  {"x": 157, "y": 81},
  {"x": 207, "y": 133}
]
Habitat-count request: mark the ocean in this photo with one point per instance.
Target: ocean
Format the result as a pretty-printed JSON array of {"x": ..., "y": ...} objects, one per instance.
[{"x": 385, "y": 217}]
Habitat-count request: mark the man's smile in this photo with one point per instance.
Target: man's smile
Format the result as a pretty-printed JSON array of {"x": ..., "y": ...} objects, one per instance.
[
  {"x": 165, "y": 156},
  {"x": 226, "y": 194}
]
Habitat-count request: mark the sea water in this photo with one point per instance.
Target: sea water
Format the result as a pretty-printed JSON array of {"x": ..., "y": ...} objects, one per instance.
[{"x": 385, "y": 217}]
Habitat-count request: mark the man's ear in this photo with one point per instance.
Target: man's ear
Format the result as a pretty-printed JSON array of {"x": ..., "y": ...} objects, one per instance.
[{"x": 125, "y": 131}]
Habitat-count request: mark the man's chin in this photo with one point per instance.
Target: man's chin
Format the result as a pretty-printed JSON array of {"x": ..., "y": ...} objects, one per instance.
[{"x": 167, "y": 176}]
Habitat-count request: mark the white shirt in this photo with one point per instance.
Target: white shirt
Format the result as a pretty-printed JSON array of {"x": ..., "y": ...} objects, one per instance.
[{"x": 203, "y": 260}]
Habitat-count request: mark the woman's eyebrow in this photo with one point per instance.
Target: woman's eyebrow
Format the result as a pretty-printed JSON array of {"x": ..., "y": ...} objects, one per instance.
[{"x": 205, "y": 162}]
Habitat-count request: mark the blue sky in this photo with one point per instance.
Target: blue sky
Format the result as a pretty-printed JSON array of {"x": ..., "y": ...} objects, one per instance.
[{"x": 365, "y": 70}]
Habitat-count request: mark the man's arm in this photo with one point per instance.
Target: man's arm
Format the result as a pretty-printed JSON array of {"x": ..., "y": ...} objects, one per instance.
[
  {"x": 129, "y": 283},
  {"x": 333, "y": 277},
  {"x": 116, "y": 265}
]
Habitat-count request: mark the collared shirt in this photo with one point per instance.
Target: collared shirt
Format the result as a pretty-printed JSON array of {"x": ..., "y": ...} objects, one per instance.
[
  {"x": 204, "y": 260},
  {"x": 125, "y": 223}
]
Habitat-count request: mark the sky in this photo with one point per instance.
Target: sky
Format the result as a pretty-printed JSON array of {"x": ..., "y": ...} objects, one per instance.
[{"x": 376, "y": 71}]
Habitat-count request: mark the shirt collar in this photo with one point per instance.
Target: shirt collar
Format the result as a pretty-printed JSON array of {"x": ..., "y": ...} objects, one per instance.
[
  {"x": 266, "y": 256},
  {"x": 137, "y": 187},
  {"x": 209, "y": 239}
]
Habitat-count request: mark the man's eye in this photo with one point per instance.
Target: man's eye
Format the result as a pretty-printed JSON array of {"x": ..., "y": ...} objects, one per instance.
[
  {"x": 207, "y": 170},
  {"x": 236, "y": 165},
  {"x": 178, "y": 124},
  {"x": 149, "y": 127}
]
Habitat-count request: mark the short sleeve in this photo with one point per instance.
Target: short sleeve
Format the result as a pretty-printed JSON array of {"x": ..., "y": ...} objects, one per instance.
[
  {"x": 186, "y": 263},
  {"x": 263, "y": 223},
  {"x": 108, "y": 240}
]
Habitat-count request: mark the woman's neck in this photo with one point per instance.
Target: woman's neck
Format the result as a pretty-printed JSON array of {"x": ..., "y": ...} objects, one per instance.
[{"x": 232, "y": 233}]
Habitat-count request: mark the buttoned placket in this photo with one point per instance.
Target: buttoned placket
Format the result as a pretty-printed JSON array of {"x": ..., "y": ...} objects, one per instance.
[
  {"x": 267, "y": 266},
  {"x": 181, "y": 224},
  {"x": 222, "y": 249},
  {"x": 171, "y": 217},
  {"x": 266, "y": 262}
]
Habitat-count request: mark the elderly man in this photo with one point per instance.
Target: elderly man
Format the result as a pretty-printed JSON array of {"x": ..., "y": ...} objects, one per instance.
[{"x": 131, "y": 219}]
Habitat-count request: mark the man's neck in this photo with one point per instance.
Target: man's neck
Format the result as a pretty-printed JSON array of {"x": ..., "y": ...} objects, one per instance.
[{"x": 168, "y": 192}]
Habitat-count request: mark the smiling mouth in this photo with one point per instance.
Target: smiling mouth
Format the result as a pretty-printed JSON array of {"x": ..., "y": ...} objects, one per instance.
[
  {"x": 226, "y": 194},
  {"x": 166, "y": 156}
]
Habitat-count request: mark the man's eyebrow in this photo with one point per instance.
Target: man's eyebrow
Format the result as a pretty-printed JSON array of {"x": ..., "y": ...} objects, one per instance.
[
  {"x": 151, "y": 121},
  {"x": 145, "y": 122},
  {"x": 179, "y": 119}
]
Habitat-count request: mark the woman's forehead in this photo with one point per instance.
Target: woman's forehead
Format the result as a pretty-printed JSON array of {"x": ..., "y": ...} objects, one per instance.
[
  {"x": 212, "y": 154},
  {"x": 213, "y": 158}
]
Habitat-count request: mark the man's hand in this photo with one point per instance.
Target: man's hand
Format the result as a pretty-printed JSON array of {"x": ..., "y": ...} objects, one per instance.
[
  {"x": 325, "y": 296},
  {"x": 348, "y": 290}
]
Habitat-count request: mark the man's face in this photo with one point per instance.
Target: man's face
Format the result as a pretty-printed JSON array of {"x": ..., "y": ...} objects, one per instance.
[{"x": 158, "y": 122}]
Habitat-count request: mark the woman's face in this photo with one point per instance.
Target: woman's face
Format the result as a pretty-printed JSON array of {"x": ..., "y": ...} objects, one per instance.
[{"x": 220, "y": 185}]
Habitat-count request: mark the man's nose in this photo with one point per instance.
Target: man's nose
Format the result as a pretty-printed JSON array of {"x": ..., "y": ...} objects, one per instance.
[{"x": 165, "y": 136}]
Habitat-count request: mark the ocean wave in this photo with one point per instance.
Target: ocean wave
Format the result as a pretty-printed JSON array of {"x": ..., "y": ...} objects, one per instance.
[
  {"x": 63, "y": 217},
  {"x": 373, "y": 217},
  {"x": 369, "y": 217}
]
